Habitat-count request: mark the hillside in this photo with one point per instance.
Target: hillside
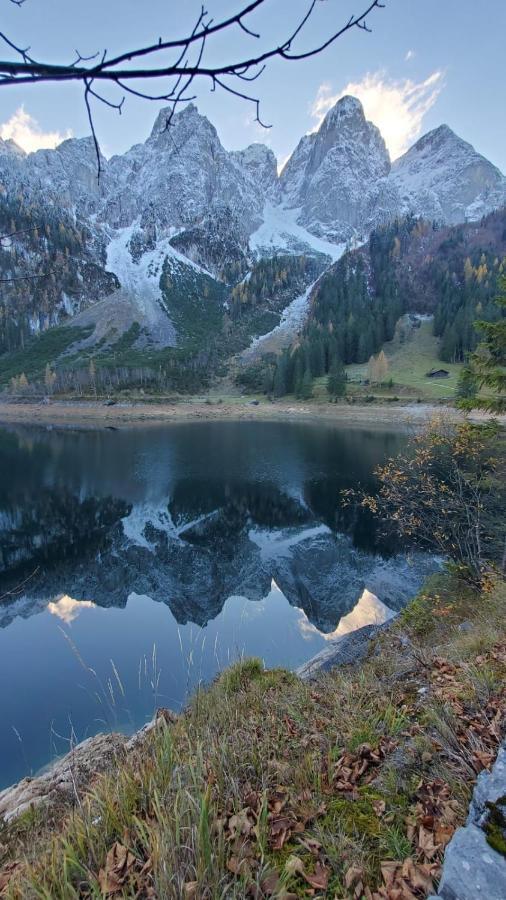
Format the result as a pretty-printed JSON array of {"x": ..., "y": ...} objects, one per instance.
[{"x": 449, "y": 274}]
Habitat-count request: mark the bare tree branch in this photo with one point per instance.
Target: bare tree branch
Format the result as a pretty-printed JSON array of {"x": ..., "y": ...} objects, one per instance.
[
  {"x": 180, "y": 72},
  {"x": 19, "y": 587}
]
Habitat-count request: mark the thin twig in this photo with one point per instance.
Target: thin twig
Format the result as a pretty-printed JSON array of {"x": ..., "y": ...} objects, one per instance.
[{"x": 181, "y": 72}]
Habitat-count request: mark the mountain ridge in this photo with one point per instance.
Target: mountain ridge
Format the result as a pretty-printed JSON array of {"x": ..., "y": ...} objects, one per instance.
[{"x": 181, "y": 197}]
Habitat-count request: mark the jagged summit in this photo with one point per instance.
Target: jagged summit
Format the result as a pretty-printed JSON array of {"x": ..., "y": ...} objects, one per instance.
[
  {"x": 335, "y": 175},
  {"x": 10, "y": 146},
  {"x": 173, "y": 130},
  {"x": 339, "y": 179},
  {"x": 346, "y": 107}
]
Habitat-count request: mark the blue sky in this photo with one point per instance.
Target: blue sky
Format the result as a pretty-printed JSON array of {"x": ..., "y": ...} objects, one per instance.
[{"x": 426, "y": 62}]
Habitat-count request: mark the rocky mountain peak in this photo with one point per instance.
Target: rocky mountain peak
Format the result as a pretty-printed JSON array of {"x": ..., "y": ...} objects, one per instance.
[
  {"x": 260, "y": 163},
  {"x": 346, "y": 107},
  {"x": 444, "y": 178},
  {"x": 171, "y": 134},
  {"x": 11, "y": 148},
  {"x": 334, "y": 173}
]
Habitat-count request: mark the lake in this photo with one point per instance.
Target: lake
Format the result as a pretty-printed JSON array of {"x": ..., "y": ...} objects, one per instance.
[{"x": 137, "y": 563}]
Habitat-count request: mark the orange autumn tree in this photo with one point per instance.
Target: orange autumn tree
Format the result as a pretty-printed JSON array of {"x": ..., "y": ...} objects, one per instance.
[{"x": 445, "y": 494}]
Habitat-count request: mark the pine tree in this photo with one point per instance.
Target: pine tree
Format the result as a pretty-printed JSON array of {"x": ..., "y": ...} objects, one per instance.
[
  {"x": 306, "y": 388},
  {"x": 280, "y": 387},
  {"x": 336, "y": 384},
  {"x": 488, "y": 363},
  {"x": 467, "y": 387}
]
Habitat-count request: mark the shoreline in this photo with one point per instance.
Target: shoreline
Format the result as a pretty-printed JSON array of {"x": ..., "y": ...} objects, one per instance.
[{"x": 95, "y": 414}]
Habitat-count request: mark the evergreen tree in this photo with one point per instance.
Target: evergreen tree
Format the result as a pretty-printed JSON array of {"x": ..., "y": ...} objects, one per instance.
[
  {"x": 306, "y": 387},
  {"x": 488, "y": 363},
  {"x": 467, "y": 387},
  {"x": 280, "y": 386},
  {"x": 336, "y": 384}
]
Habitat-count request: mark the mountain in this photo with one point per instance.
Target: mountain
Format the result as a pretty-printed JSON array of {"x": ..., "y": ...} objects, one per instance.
[
  {"x": 442, "y": 177},
  {"x": 338, "y": 176},
  {"x": 150, "y": 259},
  {"x": 179, "y": 176}
]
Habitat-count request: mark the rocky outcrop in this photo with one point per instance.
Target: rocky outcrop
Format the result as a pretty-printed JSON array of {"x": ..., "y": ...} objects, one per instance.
[
  {"x": 348, "y": 650},
  {"x": 64, "y": 782},
  {"x": 472, "y": 868}
]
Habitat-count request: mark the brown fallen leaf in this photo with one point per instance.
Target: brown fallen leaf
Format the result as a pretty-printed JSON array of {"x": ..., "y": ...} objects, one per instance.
[
  {"x": 118, "y": 865},
  {"x": 240, "y": 823},
  {"x": 353, "y": 875},
  {"x": 270, "y": 884},
  {"x": 318, "y": 879},
  {"x": 237, "y": 866},
  {"x": 280, "y": 831},
  {"x": 379, "y": 807},
  {"x": 7, "y": 873},
  {"x": 310, "y": 844}
]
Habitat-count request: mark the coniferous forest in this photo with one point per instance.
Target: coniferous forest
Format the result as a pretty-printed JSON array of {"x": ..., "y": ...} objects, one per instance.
[{"x": 411, "y": 266}]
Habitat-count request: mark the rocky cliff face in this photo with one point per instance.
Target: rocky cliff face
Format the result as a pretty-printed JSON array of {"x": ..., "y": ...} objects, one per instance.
[
  {"x": 180, "y": 175},
  {"x": 337, "y": 176},
  {"x": 339, "y": 179}
]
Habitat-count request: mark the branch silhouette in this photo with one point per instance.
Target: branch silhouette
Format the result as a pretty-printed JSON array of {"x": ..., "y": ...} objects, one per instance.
[{"x": 186, "y": 62}]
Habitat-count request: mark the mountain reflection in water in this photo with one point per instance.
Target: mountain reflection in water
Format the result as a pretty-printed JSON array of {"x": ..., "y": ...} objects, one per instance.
[{"x": 171, "y": 552}]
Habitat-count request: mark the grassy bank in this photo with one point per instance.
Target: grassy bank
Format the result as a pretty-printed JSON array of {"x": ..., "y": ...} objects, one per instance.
[
  {"x": 409, "y": 361},
  {"x": 348, "y": 786}
]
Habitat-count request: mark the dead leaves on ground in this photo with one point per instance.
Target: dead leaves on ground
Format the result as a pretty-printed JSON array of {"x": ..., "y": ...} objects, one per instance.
[
  {"x": 123, "y": 869},
  {"x": 435, "y": 818},
  {"x": 352, "y": 769},
  {"x": 269, "y": 823},
  {"x": 478, "y": 730},
  {"x": 6, "y": 874},
  {"x": 406, "y": 880},
  {"x": 434, "y": 814}
]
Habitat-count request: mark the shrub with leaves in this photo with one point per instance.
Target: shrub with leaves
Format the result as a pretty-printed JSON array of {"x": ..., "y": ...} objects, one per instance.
[{"x": 446, "y": 494}]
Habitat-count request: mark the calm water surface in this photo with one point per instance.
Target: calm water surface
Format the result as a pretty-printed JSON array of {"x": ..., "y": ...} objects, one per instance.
[{"x": 149, "y": 559}]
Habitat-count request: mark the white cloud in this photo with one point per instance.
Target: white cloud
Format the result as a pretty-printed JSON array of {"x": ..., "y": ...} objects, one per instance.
[
  {"x": 282, "y": 161},
  {"x": 409, "y": 55},
  {"x": 67, "y": 609},
  {"x": 27, "y": 133},
  {"x": 396, "y": 107}
]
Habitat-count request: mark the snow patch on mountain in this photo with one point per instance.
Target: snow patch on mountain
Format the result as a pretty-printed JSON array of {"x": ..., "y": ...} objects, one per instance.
[
  {"x": 140, "y": 282},
  {"x": 281, "y": 233},
  {"x": 276, "y": 544}
]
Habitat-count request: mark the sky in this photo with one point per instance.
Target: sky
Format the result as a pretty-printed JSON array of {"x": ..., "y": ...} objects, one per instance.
[{"x": 425, "y": 62}]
